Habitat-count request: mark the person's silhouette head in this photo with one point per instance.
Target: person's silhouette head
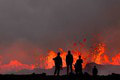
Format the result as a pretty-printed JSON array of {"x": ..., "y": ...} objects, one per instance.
[
  {"x": 58, "y": 54},
  {"x": 94, "y": 66},
  {"x": 79, "y": 57},
  {"x": 69, "y": 52}
]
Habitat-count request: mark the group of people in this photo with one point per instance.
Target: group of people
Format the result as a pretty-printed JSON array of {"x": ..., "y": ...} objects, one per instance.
[{"x": 69, "y": 63}]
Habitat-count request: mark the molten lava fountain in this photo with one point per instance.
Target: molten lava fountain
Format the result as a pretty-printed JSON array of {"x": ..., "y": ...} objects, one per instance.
[{"x": 96, "y": 54}]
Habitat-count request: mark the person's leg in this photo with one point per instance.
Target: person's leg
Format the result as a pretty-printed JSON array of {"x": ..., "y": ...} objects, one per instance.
[
  {"x": 71, "y": 68},
  {"x": 67, "y": 69},
  {"x": 58, "y": 71},
  {"x": 76, "y": 72},
  {"x": 55, "y": 71},
  {"x": 80, "y": 72}
]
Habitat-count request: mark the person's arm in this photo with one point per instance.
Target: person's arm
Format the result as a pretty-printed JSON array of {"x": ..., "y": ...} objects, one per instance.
[
  {"x": 61, "y": 62},
  {"x": 81, "y": 61},
  {"x": 72, "y": 59},
  {"x": 54, "y": 58},
  {"x": 66, "y": 59},
  {"x": 97, "y": 71}
]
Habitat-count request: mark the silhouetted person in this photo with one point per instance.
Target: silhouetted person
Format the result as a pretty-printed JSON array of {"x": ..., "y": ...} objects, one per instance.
[
  {"x": 78, "y": 66},
  {"x": 94, "y": 71},
  {"x": 69, "y": 61},
  {"x": 58, "y": 64}
]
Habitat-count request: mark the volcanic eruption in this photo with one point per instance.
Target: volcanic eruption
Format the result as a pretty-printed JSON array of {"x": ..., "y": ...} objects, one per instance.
[
  {"x": 33, "y": 31},
  {"x": 96, "y": 54}
]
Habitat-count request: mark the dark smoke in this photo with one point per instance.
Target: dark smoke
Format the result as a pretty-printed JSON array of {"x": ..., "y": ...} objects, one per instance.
[{"x": 50, "y": 24}]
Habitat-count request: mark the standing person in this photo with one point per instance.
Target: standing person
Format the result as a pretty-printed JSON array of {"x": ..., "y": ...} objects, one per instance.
[
  {"x": 58, "y": 64},
  {"x": 69, "y": 61},
  {"x": 94, "y": 71},
  {"x": 78, "y": 66}
]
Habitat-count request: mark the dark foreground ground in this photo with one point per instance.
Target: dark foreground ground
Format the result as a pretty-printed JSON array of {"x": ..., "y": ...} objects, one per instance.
[{"x": 70, "y": 77}]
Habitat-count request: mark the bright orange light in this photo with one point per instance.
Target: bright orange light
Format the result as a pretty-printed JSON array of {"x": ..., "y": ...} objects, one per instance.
[{"x": 96, "y": 54}]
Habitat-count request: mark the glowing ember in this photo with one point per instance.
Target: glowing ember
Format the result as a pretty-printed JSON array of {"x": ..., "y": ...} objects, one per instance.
[{"x": 96, "y": 53}]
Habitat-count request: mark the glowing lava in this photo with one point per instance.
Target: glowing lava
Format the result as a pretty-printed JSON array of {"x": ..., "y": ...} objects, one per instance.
[{"x": 96, "y": 53}]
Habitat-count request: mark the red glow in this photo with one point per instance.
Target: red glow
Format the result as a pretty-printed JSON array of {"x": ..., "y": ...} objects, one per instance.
[
  {"x": 15, "y": 66},
  {"x": 95, "y": 53},
  {"x": 116, "y": 59}
]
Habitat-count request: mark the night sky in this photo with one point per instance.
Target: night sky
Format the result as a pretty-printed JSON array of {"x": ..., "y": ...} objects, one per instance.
[{"x": 35, "y": 26}]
